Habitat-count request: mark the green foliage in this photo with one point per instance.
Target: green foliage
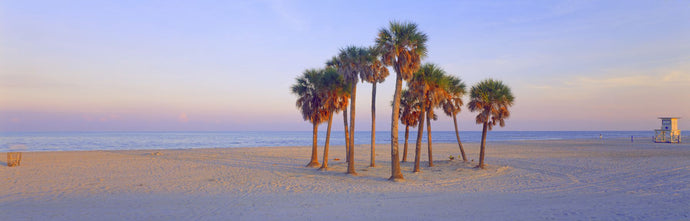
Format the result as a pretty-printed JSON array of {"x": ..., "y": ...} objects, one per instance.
[
  {"x": 430, "y": 84},
  {"x": 402, "y": 46},
  {"x": 319, "y": 92},
  {"x": 491, "y": 98}
]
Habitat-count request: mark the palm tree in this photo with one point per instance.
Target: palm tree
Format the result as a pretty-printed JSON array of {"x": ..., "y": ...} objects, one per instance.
[
  {"x": 334, "y": 95},
  {"x": 374, "y": 72},
  {"x": 409, "y": 115},
  {"x": 351, "y": 62},
  {"x": 492, "y": 99},
  {"x": 402, "y": 46},
  {"x": 453, "y": 103},
  {"x": 310, "y": 105},
  {"x": 335, "y": 63},
  {"x": 429, "y": 84}
]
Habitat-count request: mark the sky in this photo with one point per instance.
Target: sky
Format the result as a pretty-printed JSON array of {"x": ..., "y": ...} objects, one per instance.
[{"x": 228, "y": 65}]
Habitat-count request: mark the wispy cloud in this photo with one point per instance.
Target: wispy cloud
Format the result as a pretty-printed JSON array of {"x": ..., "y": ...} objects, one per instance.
[
  {"x": 651, "y": 80},
  {"x": 183, "y": 118},
  {"x": 101, "y": 117},
  {"x": 288, "y": 15}
]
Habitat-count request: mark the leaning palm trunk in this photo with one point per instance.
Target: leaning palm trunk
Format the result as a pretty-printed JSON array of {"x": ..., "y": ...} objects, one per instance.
[
  {"x": 324, "y": 166},
  {"x": 483, "y": 146},
  {"x": 373, "y": 125},
  {"x": 314, "y": 161},
  {"x": 407, "y": 134},
  {"x": 418, "y": 148},
  {"x": 351, "y": 162},
  {"x": 428, "y": 139},
  {"x": 347, "y": 136},
  {"x": 396, "y": 172},
  {"x": 457, "y": 135}
]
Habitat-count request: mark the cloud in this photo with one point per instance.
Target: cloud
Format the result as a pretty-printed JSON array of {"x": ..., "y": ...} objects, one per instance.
[
  {"x": 612, "y": 81},
  {"x": 288, "y": 15},
  {"x": 677, "y": 77},
  {"x": 101, "y": 117},
  {"x": 654, "y": 80},
  {"x": 183, "y": 118}
]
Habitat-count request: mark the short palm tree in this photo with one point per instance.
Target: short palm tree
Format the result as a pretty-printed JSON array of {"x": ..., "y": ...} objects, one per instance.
[
  {"x": 452, "y": 104},
  {"x": 491, "y": 98},
  {"x": 374, "y": 72},
  {"x": 310, "y": 105},
  {"x": 409, "y": 115},
  {"x": 335, "y": 96},
  {"x": 429, "y": 84},
  {"x": 402, "y": 46}
]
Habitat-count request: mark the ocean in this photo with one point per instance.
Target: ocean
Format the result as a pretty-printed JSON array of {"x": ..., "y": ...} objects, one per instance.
[{"x": 71, "y": 141}]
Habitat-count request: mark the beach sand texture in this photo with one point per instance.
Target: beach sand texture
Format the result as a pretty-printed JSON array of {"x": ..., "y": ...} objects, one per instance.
[{"x": 525, "y": 180}]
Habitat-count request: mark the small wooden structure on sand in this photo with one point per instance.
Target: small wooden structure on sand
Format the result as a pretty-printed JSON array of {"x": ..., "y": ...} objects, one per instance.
[
  {"x": 669, "y": 132},
  {"x": 14, "y": 159}
]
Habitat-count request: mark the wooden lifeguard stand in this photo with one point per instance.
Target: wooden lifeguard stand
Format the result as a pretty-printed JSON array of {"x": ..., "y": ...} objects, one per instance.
[{"x": 669, "y": 132}]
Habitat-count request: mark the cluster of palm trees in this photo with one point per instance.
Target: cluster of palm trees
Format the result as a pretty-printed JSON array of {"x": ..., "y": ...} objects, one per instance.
[{"x": 323, "y": 92}]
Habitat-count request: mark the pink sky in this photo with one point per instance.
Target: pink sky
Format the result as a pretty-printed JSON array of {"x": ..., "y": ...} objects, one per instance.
[{"x": 166, "y": 67}]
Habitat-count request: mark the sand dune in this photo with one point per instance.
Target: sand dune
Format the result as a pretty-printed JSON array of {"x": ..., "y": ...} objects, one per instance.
[{"x": 526, "y": 180}]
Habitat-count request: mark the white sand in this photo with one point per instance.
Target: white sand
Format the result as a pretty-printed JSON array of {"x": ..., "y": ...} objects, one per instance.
[{"x": 530, "y": 180}]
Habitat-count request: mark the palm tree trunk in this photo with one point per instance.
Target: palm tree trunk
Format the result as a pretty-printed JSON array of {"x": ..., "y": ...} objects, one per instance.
[
  {"x": 351, "y": 162},
  {"x": 428, "y": 139},
  {"x": 347, "y": 137},
  {"x": 407, "y": 134},
  {"x": 324, "y": 166},
  {"x": 420, "y": 132},
  {"x": 483, "y": 146},
  {"x": 373, "y": 125},
  {"x": 457, "y": 135},
  {"x": 314, "y": 161},
  {"x": 396, "y": 172}
]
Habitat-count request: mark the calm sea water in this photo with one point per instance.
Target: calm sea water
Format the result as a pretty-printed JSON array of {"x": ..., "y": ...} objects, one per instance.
[{"x": 65, "y": 141}]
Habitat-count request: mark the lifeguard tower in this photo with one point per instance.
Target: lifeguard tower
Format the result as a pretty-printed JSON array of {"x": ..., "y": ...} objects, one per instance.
[{"x": 669, "y": 132}]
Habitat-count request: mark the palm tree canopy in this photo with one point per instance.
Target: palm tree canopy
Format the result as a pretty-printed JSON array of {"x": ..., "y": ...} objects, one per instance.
[
  {"x": 309, "y": 100},
  {"x": 456, "y": 90},
  {"x": 409, "y": 108},
  {"x": 430, "y": 82},
  {"x": 350, "y": 62},
  {"x": 334, "y": 91},
  {"x": 491, "y": 98},
  {"x": 374, "y": 71},
  {"x": 402, "y": 46}
]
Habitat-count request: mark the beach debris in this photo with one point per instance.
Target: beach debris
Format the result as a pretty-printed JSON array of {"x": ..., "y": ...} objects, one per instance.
[
  {"x": 157, "y": 154},
  {"x": 336, "y": 159},
  {"x": 451, "y": 157},
  {"x": 14, "y": 159}
]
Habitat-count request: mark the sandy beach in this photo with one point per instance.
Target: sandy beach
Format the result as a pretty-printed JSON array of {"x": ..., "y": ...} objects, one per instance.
[{"x": 525, "y": 180}]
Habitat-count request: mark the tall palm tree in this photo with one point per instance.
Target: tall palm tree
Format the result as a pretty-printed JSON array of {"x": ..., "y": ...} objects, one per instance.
[
  {"x": 310, "y": 105},
  {"x": 351, "y": 62},
  {"x": 409, "y": 115},
  {"x": 374, "y": 72},
  {"x": 429, "y": 84},
  {"x": 335, "y": 63},
  {"x": 453, "y": 103},
  {"x": 492, "y": 99},
  {"x": 334, "y": 95},
  {"x": 402, "y": 46}
]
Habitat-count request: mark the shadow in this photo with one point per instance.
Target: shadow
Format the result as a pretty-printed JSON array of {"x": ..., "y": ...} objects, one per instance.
[{"x": 4, "y": 164}]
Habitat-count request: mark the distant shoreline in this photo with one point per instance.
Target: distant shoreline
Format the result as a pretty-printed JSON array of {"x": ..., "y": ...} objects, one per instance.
[{"x": 67, "y": 141}]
